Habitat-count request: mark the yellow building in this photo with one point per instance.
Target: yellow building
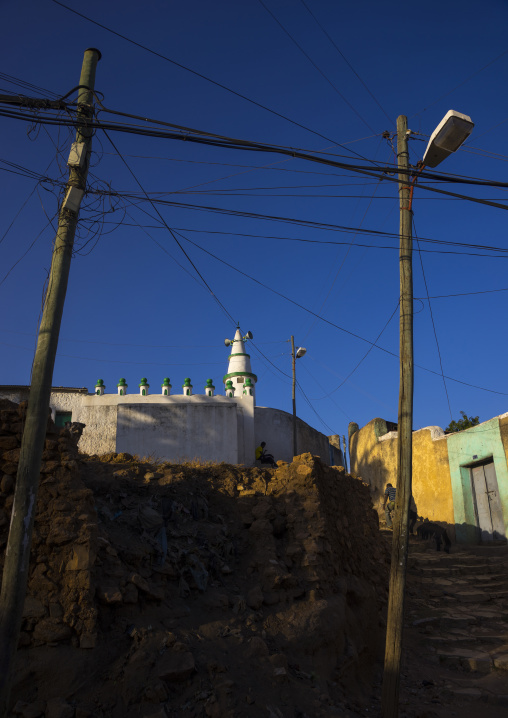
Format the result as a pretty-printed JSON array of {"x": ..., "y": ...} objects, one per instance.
[{"x": 460, "y": 479}]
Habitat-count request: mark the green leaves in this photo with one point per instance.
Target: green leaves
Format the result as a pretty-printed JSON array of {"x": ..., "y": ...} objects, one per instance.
[{"x": 465, "y": 423}]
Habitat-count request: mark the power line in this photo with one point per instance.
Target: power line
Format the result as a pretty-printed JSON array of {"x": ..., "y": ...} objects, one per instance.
[
  {"x": 477, "y": 72},
  {"x": 144, "y": 345},
  {"x": 346, "y": 60},
  {"x": 324, "y": 226},
  {"x": 332, "y": 431},
  {"x": 122, "y": 361},
  {"x": 203, "y": 77},
  {"x": 333, "y": 324},
  {"x": 252, "y": 146},
  {"x": 345, "y": 230},
  {"x": 344, "y": 99},
  {"x": 307, "y": 223},
  {"x": 432, "y": 320},
  {"x": 304, "y": 365},
  {"x": 171, "y": 231},
  {"x": 342, "y": 263},
  {"x": 205, "y": 137},
  {"x": 28, "y": 250},
  {"x": 465, "y": 294},
  {"x": 357, "y": 366},
  {"x": 16, "y": 81}
]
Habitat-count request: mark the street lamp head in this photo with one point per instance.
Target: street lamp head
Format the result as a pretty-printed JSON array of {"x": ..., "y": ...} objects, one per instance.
[
  {"x": 300, "y": 352},
  {"x": 448, "y": 136}
]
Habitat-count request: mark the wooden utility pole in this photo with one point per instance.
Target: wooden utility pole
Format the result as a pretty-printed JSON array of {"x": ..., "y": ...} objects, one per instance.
[
  {"x": 294, "y": 395},
  {"x": 395, "y": 619},
  {"x": 15, "y": 573}
]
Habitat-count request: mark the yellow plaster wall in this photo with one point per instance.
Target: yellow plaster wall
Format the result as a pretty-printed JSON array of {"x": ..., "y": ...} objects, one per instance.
[{"x": 376, "y": 463}]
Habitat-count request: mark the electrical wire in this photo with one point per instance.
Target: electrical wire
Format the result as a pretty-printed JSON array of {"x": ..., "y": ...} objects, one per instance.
[
  {"x": 306, "y": 223},
  {"x": 346, "y": 60},
  {"x": 333, "y": 324},
  {"x": 332, "y": 431},
  {"x": 144, "y": 345},
  {"x": 357, "y": 366},
  {"x": 4, "y": 235},
  {"x": 344, "y": 230},
  {"x": 339, "y": 93},
  {"x": 196, "y": 135},
  {"x": 16, "y": 81},
  {"x": 477, "y": 72},
  {"x": 432, "y": 320},
  {"x": 170, "y": 231},
  {"x": 250, "y": 146},
  {"x": 203, "y": 77},
  {"x": 121, "y": 361},
  {"x": 28, "y": 250},
  {"x": 465, "y": 294},
  {"x": 306, "y": 368},
  {"x": 343, "y": 262}
]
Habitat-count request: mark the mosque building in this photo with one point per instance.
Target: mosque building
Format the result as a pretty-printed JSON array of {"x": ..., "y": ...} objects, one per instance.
[{"x": 183, "y": 425}]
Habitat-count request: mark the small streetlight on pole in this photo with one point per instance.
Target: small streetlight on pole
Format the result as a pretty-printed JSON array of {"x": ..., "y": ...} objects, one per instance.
[
  {"x": 300, "y": 352},
  {"x": 448, "y": 136}
]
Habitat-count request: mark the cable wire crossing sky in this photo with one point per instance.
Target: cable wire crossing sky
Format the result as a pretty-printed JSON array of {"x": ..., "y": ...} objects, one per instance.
[{"x": 244, "y": 172}]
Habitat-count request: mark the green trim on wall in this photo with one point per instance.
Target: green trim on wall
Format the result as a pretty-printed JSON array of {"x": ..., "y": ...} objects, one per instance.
[
  {"x": 239, "y": 373},
  {"x": 238, "y": 355}
]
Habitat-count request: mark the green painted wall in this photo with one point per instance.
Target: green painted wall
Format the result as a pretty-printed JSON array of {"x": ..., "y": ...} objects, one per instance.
[{"x": 481, "y": 442}]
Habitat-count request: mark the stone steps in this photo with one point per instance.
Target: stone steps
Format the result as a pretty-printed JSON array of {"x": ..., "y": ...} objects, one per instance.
[
  {"x": 458, "y": 641},
  {"x": 463, "y": 600},
  {"x": 471, "y": 590}
]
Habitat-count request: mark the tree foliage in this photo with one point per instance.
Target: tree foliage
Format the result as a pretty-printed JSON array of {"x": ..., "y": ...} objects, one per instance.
[{"x": 465, "y": 423}]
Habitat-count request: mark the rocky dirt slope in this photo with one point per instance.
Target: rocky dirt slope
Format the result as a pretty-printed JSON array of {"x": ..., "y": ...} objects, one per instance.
[{"x": 164, "y": 590}]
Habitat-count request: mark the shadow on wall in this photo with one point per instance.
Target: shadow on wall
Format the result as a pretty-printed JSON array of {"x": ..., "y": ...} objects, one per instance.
[{"x": 463, "y": 534}]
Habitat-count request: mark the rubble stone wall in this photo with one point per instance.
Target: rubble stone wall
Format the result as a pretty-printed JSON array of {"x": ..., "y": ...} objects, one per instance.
[{"x": 60, "y": 603}]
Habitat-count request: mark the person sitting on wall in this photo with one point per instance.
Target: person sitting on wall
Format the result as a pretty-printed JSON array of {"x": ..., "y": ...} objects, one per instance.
[
  {"x": 389, "y": 504},
  {"x": 263, "y": 457}
]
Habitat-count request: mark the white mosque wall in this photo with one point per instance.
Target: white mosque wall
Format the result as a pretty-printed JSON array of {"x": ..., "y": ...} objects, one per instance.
[
  {"x": 99, "y": 434},
  {"x": 200, "y": 430},
  {"x": 178, "y": 427},
  {"x": 275, "y": 427}
]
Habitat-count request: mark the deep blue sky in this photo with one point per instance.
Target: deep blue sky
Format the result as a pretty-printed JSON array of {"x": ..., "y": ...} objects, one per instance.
[{"x": 132, "y": 311}]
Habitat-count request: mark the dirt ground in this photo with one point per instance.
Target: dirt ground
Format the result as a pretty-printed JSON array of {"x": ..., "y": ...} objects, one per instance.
[{"x": 183, "y": 591}]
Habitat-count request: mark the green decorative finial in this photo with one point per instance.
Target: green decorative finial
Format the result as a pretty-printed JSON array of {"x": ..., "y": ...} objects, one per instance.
[
  {"x": 166, "y": 381},
  {"x": 122, "y": 382},
  {"x": 229, "y": 384},
  {"x": 209, "y": 384},
  {"x": 144, "y": 381},
  {"x": 248, "y": 382},
  {"x": 100, "y": 382},
  {"x": 186, "y": 382}
]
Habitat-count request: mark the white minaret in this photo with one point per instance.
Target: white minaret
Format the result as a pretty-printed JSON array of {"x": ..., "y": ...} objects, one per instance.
[{"x": 239, "y": 369}]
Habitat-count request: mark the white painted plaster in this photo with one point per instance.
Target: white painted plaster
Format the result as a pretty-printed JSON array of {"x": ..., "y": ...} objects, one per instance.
[{"x": 276, "y": 428}]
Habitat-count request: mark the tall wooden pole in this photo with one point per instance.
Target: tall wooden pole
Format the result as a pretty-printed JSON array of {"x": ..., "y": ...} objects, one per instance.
[
  {"x": 15, "y": 573},
  {"x": 395, "y": 620},
  {"x": 294, "y": 395}
]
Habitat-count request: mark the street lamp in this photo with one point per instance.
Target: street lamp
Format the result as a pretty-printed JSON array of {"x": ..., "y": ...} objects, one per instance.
[
  {"x": 300, "y": 352},
  {"x": 448, "y": 136}
]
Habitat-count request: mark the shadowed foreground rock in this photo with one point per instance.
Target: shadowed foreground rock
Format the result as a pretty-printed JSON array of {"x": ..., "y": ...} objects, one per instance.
[{"x": 189, "y": 590}]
